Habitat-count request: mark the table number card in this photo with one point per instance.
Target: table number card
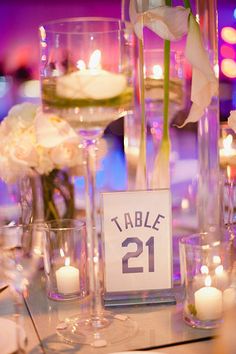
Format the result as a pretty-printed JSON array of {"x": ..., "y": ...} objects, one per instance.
[{"x": 137, "y": 240}]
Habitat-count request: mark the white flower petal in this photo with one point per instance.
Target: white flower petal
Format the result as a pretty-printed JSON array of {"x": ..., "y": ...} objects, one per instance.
[
  {"x": 169, "y": 23},
  {"x": 204, "y": 82},
  {"x": 136, "y": 19},
  {"x": 52, "y": 131},
  {"x": 25, "y": 110},
  {"x": 232, "y": 120},
  {"x": 66, "y": 155},
  {"x": 24, "y": 152}
]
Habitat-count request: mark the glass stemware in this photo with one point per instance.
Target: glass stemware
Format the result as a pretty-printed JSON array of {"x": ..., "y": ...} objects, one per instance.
[
  {"x": 20, "y": 255},
  {"x": 87, "y": 78}
]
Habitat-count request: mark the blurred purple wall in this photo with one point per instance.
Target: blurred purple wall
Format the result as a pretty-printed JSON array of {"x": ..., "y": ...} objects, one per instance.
[{"x": 20, "y": 20}]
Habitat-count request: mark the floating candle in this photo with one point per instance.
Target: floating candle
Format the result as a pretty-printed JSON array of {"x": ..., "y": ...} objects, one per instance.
[
  {"x": 157, "y": 72},
  {"x": 208, "y": 302},
  {"x": 227, "y": 152},
  {"x": 67, "y": 278},
  {"x": 92, "y": 83}
]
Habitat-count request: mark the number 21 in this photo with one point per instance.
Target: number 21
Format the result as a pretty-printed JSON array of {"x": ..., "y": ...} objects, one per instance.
[{"x": 135, "y": 254}]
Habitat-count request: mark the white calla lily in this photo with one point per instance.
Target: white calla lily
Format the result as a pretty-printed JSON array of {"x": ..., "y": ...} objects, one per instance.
[
  {"x": 204, "y": 82},
  {"x": 169, "y": 23}
]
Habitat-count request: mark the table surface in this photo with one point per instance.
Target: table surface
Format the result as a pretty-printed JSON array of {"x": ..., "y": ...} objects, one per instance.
[{"x": 160, "y": 327}]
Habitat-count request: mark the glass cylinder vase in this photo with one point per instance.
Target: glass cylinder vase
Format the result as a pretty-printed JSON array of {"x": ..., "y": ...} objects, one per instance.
[{"x": 208, "y": 201}]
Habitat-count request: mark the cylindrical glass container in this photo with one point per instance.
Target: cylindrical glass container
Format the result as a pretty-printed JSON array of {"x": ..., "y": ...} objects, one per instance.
[
  {"x": 65, "y": 259},
  {"x": 206, "y": 261},
  {"x": 209, "y": 210}
]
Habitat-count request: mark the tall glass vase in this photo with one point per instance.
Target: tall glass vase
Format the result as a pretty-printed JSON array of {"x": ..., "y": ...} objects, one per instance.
[{"x": 208, "y": 201}]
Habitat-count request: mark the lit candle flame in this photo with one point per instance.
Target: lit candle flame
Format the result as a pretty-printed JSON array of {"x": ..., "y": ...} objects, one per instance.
[
  {"x": 81, "y": 65},
  {"x": 219, "y": 270},
  {"x": 208, "y": 281},
  {"x": 216, "y": 260},
  {"x": 157, "y": 71},
  {"x": 95, "y": 60},
  {"x": 62, "y": 254},
  {"x": 228, "y": 172},
  {"x": 67, "y": 261},
  {"x": 227, "y": 144},
  {"x": 204, "y": 269}
]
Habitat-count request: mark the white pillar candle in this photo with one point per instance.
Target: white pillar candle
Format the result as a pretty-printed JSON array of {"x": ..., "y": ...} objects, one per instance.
[
  {"x": 87, "y": 83},
  {"x": 208, "y": 303},
  {"x": 67, "y": 278}
]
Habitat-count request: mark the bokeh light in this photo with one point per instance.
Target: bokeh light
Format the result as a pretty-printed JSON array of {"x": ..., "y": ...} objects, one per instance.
[
  {"x": 228, "y": 34},
  {"x": 228, "y": 68},
  {"x": 227, "y": 51}
]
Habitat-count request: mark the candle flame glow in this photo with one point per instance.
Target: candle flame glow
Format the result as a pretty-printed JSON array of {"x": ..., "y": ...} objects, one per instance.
[
  {"x": 95, "y": 60},
  {"x": 81, "y": 64},
  {"x": 228, "y": 172},
  {"x": 204, "y": 269},
  {"x": 67, "y": 261},
  {"x": 157, "y": 71},
  {"x": 62, "y": 254},
  {"x": 219, "y": 270},
  {"x": 216, "y": 260},
  {"x": 227, "y": 144},
  {"x": 208, "y": 281}
]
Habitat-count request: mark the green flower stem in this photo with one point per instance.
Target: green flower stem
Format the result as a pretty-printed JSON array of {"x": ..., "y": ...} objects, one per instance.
[
  {"x": 166, "y": 90},
  {"x": 51, "y": 211},
  {"x": 187, "y": 4},
  {"x": 142, "y": 153},
  {"x": 165, "y": 136}
]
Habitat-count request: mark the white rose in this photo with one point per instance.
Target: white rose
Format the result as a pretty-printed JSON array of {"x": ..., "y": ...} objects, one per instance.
[
  {"x": 45, "y": 164},
  {"x": 232, "y": 120},
  {"x": 21, "y": 115},
  {"x": 23, "y": 151},
  {"x": 52, "y": 131},
  {"x": 66, "y": 155}
]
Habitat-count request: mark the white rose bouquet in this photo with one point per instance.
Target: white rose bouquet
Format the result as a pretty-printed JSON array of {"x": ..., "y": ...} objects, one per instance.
[{"x": 34, "y": 143}]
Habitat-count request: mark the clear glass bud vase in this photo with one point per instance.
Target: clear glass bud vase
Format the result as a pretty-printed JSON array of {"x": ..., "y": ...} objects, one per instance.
[{"x": 208, "y": 199}]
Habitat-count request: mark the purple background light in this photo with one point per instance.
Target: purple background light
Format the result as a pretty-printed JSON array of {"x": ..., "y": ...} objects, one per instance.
[{"x": 19, "y": 45}]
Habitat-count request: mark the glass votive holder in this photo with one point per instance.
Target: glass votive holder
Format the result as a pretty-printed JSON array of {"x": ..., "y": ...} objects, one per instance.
[
  {"x": 206, "y": 261},
  {"x": 65, "y": 259}
]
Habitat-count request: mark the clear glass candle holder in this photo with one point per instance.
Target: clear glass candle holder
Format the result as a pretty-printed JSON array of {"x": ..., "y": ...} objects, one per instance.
[
  {"x": 227, "y": 151},
  {"x": 65, "y": 259},
  {"x": 206, "y": 261}
]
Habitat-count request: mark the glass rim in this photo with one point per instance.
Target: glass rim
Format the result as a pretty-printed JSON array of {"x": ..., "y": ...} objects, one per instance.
[
  {"x": 49, "y": 225},
  {"x": 46, "y": 25},
  {"x": 186, "y": 240},
  {"x": 161, "y": 50},
  {"x": 11, "y": 226}
]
